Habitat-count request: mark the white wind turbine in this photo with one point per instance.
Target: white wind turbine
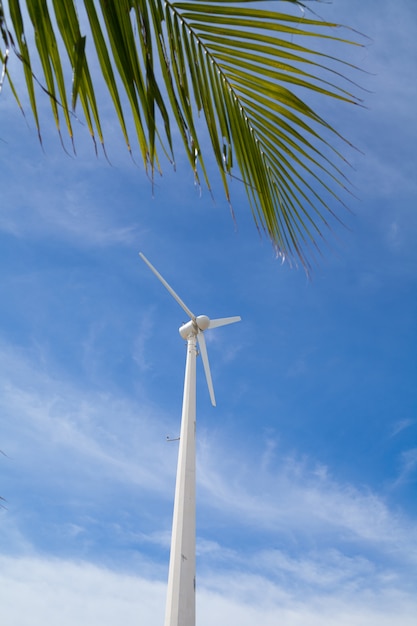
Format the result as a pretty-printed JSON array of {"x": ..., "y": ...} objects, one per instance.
[{"x": 180, "y": 606}]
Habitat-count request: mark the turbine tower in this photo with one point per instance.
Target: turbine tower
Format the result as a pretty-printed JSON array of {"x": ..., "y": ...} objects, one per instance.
[{"x": 180, "y": 605}]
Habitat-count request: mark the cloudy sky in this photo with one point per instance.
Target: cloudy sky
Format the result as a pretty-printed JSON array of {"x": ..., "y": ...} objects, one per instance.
[{"x": 306, "y": 508}]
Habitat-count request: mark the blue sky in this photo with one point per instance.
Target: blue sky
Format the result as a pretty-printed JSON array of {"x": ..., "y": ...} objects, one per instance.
[{"x": 306, "y": 507}]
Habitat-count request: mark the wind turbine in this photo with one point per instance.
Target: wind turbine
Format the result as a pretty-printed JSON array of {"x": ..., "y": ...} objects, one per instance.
[{"x": 180, "y": 605}]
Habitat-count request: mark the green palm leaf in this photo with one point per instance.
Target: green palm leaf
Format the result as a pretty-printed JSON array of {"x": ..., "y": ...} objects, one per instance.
[{"x": 240, "y": 66}]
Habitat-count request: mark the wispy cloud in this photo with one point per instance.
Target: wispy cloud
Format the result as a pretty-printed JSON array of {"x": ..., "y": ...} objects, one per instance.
[
  {"x": 401, "y": 425},
  {"x": 280, "y": 495},
  {"x": 49, "y": 417},
  {"x": 60, "y": 204},
  {"x": 408, "y": 467},
  {"x": 144, "y": 334}
]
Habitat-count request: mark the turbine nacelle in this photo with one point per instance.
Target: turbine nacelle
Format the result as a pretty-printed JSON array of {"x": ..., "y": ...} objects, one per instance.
[
  {"x": 188, "y": 329},
  {"x": 194, "y": 326}
]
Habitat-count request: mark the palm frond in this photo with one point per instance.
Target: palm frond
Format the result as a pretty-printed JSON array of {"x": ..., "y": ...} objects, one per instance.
[{"x": 248, "y": 71}]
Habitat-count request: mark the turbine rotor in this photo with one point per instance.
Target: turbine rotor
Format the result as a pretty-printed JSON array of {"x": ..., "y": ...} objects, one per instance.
[{"x": 195, "y": 327}]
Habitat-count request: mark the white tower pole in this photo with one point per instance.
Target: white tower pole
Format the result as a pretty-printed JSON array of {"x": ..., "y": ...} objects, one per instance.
[{"x": 180, "y": 605}]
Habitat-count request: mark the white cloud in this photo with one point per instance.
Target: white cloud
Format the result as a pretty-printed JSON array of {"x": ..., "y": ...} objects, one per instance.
[
  {"x": 51, "y": 591},
  {"x": 54, "y": 591}
]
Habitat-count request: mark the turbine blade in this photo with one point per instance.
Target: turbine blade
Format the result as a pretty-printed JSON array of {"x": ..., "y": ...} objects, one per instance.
[
  {"x": 204, "y": 356},
  {"x": 223, "y": 321},
  {"x": 168, "y": 287}
]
